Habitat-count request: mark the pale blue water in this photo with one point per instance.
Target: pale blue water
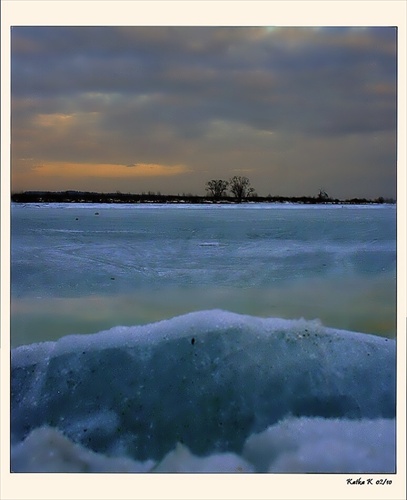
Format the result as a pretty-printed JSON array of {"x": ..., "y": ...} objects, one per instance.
[{"x": 73, "y": 271}]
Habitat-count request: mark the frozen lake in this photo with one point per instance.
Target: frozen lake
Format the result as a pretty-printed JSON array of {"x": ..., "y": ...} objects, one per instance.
[
  {"x": 81, "y": 268},
  {"x": 209, "y": 391}
]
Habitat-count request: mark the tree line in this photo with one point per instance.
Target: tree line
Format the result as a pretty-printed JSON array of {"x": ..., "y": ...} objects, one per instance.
[{"x": 235, "y": 190}]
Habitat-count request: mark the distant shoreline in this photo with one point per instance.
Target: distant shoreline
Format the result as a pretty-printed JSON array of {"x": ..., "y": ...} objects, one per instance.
[{"x": 118, "y": 197}]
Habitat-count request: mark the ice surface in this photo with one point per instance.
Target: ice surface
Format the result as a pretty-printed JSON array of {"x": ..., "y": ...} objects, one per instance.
[
  {"x": 69, "y": 251},
  {"x": 208, "y": 380},
  {"x": 74, "y": 272},
  {"x": 47, "y": 450},
  {"x": 293, "y": 445},
  {"x": 182, "y": 460},
  {"x": 324, "y": 445}
]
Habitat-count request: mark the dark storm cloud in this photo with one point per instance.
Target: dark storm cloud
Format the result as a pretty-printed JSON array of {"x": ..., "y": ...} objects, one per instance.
[
  {"x": 161, "y": 92},
  {"x": 252, "y": 76}
]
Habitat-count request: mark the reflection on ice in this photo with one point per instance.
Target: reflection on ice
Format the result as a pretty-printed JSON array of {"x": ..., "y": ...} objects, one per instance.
[{"x": 365, "y": 305}]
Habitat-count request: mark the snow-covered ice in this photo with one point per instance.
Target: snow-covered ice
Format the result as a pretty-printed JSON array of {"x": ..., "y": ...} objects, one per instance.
[{"x": 251, "y": 393}]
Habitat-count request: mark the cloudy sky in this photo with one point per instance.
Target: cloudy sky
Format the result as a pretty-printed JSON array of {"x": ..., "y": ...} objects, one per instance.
[{"x": 166, "y": 109}]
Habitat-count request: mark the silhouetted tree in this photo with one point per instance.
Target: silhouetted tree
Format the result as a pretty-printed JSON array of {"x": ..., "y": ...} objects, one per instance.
[
  {"x": 217, "y": 187},
  {"x": 322, "y": 195},
  {"x": 240, "y": 187}
]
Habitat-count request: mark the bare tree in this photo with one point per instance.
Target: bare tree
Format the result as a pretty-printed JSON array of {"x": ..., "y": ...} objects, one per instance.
[
  {"x": 240, "y": 187},
  {"x": 217, "y": 188},
  {"x": 322, "y": 195}
]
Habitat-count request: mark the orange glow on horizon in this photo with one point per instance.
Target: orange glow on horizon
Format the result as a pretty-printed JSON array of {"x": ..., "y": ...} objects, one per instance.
[{"x": 106, "y": 170}]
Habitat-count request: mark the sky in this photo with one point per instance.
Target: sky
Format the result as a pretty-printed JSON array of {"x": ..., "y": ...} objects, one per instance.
[{"x": 166, "y": 109}]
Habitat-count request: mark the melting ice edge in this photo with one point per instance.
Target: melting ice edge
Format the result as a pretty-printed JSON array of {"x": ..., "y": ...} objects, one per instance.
[{"x": 210, "y": 391}]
